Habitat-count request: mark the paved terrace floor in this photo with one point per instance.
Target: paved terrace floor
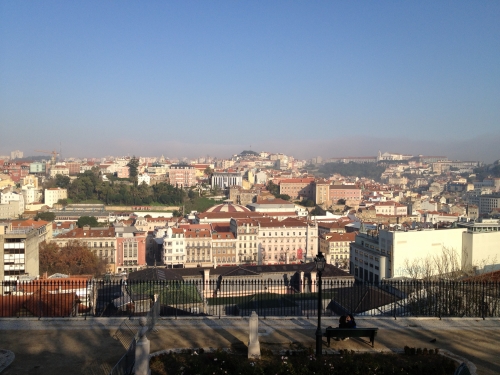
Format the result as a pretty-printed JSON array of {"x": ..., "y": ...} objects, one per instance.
[{"x": 93, "y": 346}]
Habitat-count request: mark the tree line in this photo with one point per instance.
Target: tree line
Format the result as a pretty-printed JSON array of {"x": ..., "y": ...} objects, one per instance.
[{"x": 90, "y": 186}]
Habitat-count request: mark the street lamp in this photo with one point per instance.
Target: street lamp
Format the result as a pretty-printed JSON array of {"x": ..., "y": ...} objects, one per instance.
[{"x": 320, "y": 267}]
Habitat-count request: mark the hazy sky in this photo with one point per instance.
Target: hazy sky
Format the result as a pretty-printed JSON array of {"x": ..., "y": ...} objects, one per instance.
[{"x": 191, "y": 78}]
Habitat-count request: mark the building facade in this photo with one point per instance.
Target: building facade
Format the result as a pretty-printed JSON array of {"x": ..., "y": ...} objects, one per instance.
[
  {"x": 224, "y": 180},
  {"x": 181, "y": 175},
  {"x": 174, "y": 248},
  {"x": 53, "y": 195},
  {"x": 18, "y": 253},
  {"x": 390, "y": 253}
]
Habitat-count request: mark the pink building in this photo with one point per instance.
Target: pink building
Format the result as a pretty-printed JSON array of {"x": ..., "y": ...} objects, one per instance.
[
  {"x": 182, "y": 175},
  {"x": 122, "y": 172},
  {"x": 130, "y": 249},
  {"x": 346, "y": 192}
]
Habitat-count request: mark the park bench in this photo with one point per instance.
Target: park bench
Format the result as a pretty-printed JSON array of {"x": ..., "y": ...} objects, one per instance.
[{"x": 342, "y": 333}]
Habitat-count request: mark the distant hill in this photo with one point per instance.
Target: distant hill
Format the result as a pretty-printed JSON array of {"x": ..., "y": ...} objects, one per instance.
[{"x": 249, "y": 153}]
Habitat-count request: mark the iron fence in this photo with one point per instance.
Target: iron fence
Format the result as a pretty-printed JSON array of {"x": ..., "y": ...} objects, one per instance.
[{"x": 239, "y": 297}]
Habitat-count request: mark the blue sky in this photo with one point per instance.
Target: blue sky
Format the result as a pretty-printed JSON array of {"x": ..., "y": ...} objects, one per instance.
[{"x": 194, "y": 78}]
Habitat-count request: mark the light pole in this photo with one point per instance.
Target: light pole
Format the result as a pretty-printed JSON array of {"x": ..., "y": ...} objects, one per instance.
[{"x": 320, "y": 266}]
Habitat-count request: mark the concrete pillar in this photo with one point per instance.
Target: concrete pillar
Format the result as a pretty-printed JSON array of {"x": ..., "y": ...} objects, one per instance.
[
  {"x": 313, "y": 281},
  {"x": 302, "y": 286},
  {"x": 253, "y": 337},
  {"x": 206, "y": 284},
  {"x": 142, "y": 348}
]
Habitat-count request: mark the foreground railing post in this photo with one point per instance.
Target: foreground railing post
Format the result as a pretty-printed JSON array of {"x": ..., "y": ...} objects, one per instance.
[
  {"x": 253, "y": 337},
  {"x": 142, "y": 350}
]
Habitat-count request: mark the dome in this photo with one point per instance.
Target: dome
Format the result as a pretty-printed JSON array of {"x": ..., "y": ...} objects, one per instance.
[{"x": 228, "y": 207}]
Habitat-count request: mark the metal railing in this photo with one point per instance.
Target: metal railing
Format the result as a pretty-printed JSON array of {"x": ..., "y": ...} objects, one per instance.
[{"x": 239, "y": 297}]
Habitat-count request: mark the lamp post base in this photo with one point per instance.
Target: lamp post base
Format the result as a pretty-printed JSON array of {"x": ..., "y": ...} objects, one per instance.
[{"x": 319, "y": 342}]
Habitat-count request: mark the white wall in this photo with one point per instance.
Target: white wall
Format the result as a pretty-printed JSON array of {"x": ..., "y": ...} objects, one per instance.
[
  {"x": 480, "y": 249},
  {"x": 418, "y": 244}
]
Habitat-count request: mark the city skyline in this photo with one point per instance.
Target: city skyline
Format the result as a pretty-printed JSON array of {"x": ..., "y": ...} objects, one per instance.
[{"x": 189, "y": 79}]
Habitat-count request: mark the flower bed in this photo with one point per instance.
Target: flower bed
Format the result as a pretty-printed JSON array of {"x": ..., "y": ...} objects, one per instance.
[{"x": 198, "y": 362}]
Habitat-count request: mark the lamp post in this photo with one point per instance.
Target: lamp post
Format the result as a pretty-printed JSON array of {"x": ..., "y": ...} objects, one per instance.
[{"x": 320, "y": 266}]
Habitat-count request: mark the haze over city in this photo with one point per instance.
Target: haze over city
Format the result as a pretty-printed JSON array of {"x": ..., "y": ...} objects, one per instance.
[{"x": 186, "y": 79}]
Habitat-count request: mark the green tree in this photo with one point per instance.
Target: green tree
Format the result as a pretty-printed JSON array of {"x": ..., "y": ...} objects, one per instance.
[
  {"x": 63, "y": 202},
  {"x": 307, "y": 203},
  {"x": 317, "y": 211},
  {"x": 62, "y": 181},
  {"x": 45, "y": 216},
  {"x": 273, "y": 188},
  {"x": 208, "y": 171},
  {"x": 87, "y": 220},
  {"x": 133, "y": 169},
  {"x": 285, "y": 197}
]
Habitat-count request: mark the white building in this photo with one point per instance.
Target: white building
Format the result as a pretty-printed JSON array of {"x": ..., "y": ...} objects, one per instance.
[
  {"x": 8, "y": 196},
  {"x": 143, "y": 178},
  {"x": 53, "y": 195},
  {"x": 174, "y": 248},
  {"x": 287, "y": 241},
  {"x": 391, "y": 208},
  {"x": 16, "y": 155},
  {"x": 481, "y": 245},
  {"x": 374, "y": 258},
  {"x": 30, "y": 193},
  {"x": 225, "y": 179}
]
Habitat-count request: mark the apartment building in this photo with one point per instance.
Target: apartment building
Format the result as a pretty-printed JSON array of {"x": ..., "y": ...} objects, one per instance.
[
  {"x": 336, "y": 248},
  {"x": 174, "y": 248},
  {"x": 8, "y": 195},
  {"x": 345, "y": 192},
  {"x": 391, "y": 208},
  {"x": 43, "y": 228},
  {"x": 10, "y": 210},
  {"x": 198, "y": 239},
  {"x": 18, "y": 253},
  {"x": 224, "y": 248},
  {"x": 130, "y": 249},
  {"x": 298, "y": 188},
  {"x": 322, "y": 192},
  {"x": 38, "y": 167},
  {"x": 488, "y": 203},
  {"x": 224, "y": 180},
  {"x": 53, "y": 195},
  {"x": 182, "y": 175},
  {"x": 58, "y": 169},
  {"x": 246, "y": 234},
  {"x": 289, "y": 240}
]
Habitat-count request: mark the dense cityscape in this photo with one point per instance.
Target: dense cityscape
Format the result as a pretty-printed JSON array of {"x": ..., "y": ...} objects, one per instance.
[
  {"x": 374, "y": 218},
  {"x": 261, "y": 187}
]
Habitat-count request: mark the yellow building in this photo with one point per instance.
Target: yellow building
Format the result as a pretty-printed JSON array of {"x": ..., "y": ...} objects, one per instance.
[{"x": 5, "y": 181}]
